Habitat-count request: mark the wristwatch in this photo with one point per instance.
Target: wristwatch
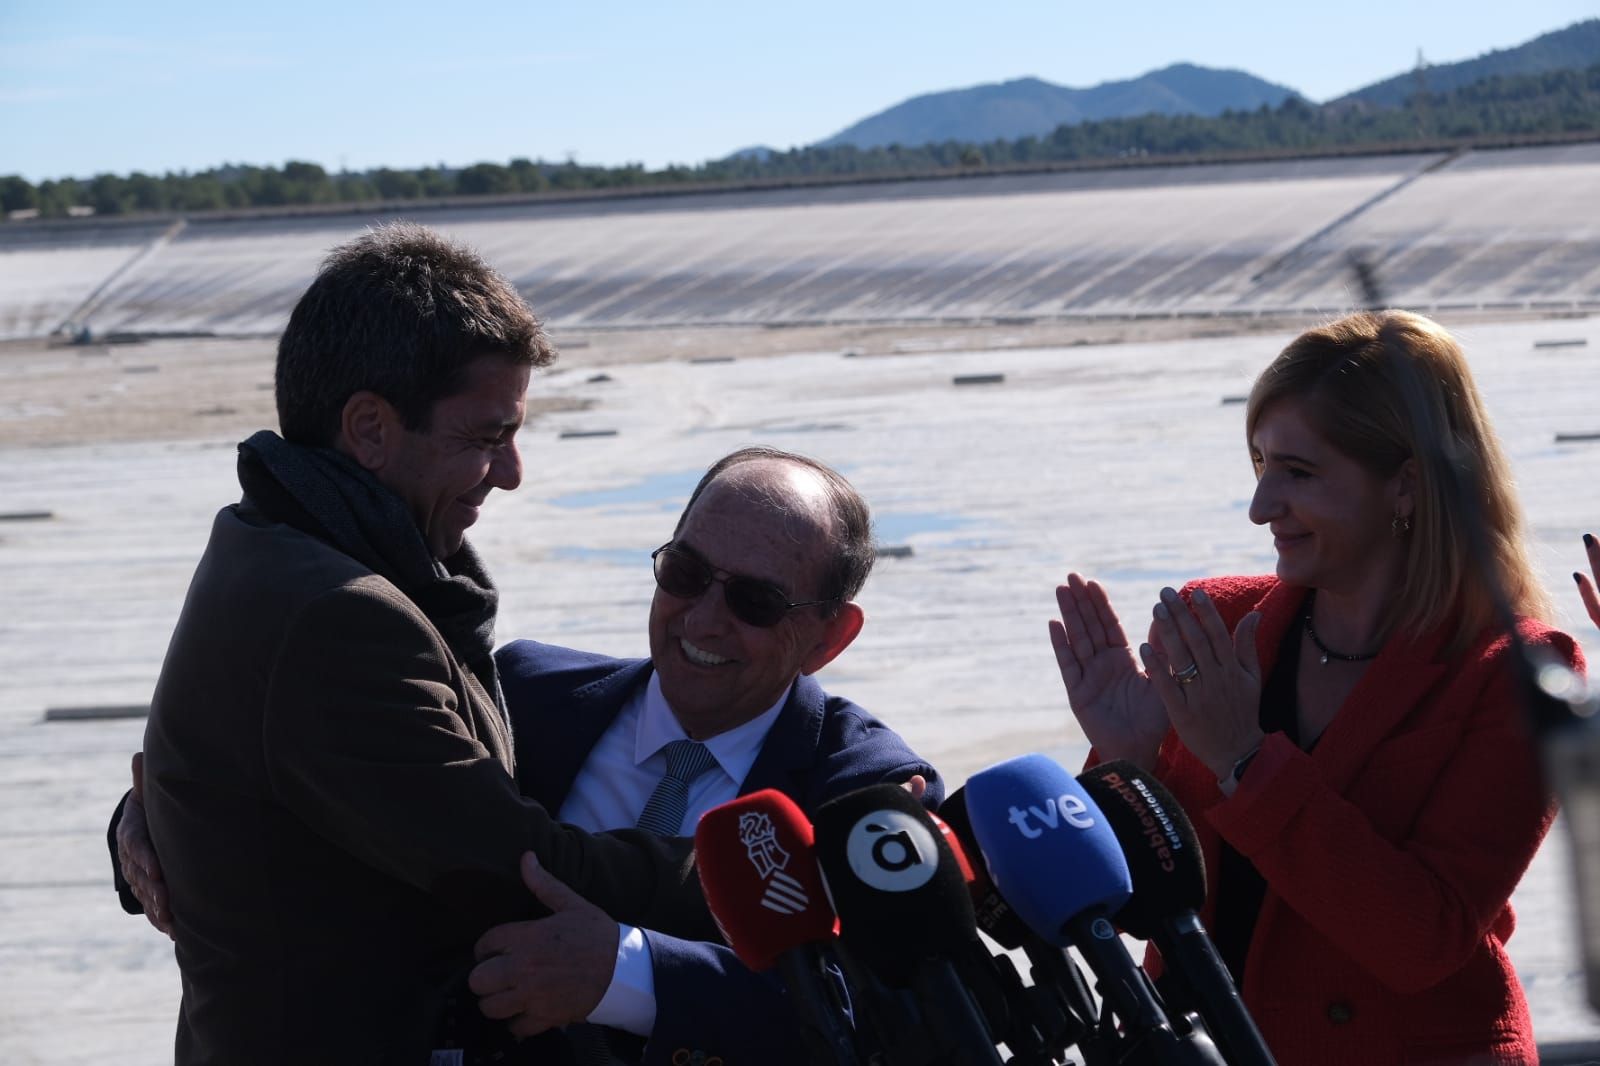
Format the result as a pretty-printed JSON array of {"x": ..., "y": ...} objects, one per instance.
[{"x": 1237, "y": 773}]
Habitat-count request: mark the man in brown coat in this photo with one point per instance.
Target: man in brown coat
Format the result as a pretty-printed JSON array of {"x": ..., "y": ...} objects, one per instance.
[{"x": 328, "y": 764}]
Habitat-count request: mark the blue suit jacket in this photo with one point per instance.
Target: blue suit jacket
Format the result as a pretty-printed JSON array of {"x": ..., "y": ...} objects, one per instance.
[{"x": 819, "y": 747}]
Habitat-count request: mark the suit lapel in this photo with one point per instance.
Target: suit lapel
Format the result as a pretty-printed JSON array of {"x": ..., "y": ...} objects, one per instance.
[
  {"x": 585, "y": 713},
  {"x": 1391, "y": 689},
  {"x": 1279, "y": 610},
  {"x": 791, "y": 745},
  {"x": 484, "y": 717}
]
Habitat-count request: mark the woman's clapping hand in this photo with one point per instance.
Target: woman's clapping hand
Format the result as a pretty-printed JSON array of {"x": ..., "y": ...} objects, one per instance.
[
  {"x": 1208, "y": 679},
  {"x": 1112, "y": 698}
]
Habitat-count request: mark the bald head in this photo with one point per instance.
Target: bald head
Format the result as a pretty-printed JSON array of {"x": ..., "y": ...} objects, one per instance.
[
  {"x": 779, "y": 520},
  {"x": 813, "y": 500},
  {"x": 796, "y": 497}
]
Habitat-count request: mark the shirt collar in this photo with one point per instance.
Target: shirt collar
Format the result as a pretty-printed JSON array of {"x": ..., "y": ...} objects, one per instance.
[{"x": 735, "y": 750}]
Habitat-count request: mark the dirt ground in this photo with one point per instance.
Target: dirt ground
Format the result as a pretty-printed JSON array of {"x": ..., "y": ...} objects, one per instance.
[{"x": 179, "y": 389}]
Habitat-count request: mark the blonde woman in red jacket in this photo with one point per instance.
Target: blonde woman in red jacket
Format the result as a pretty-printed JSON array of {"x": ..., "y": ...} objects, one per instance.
[{"x": 1346, "y": 734}]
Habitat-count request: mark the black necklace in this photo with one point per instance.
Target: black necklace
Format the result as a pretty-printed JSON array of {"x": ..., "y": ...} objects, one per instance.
[{"x": 1327, "y": 652}]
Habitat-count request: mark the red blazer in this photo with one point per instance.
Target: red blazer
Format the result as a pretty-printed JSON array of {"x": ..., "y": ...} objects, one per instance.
[{"x": 1390, "y": 851}]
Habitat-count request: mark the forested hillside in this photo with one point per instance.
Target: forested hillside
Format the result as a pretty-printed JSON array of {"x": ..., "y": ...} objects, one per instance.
[
  {"x": 1573, "y": 48},
  {"x": 1032, "y": 107},
  {"x": 1560, "y": 102}
]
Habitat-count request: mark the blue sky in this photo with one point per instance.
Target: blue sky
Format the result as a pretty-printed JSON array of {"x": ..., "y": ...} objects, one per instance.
[{"x": 87, "y": 87}]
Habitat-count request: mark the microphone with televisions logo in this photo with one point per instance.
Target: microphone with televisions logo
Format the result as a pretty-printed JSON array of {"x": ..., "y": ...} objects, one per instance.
[
  {"x": 758, "y": 868},
  {"x": 1059, "y": 865},
  {"x": 904, "y": 911},
  {"x": 1169, "y": 886}
]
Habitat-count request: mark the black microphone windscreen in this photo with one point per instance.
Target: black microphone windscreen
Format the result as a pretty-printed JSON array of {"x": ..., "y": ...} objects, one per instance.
[
  {"x": 896, "y": 885},
  {"x": 1169, "y": 873},
  {"x": 994, "y": 915}
]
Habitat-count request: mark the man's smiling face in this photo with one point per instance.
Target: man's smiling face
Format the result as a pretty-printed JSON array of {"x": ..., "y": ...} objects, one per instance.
[
  {"x": 762, "y": 519},
  {"x": 445, "y": 473}
]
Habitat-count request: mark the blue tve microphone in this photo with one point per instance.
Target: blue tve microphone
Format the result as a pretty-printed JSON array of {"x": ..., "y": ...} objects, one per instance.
[
  {"x": 1049, "y": 848},
  {"x": 1053, "y": 856}
]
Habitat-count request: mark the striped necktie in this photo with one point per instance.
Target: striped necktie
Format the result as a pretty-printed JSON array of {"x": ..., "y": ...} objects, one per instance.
[
  {"x": 595, "y": 1045},
  {"x": 664, "y": 810}
]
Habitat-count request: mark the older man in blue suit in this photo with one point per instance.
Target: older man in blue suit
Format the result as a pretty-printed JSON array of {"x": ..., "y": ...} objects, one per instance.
[{"x": 754, "y": 593}]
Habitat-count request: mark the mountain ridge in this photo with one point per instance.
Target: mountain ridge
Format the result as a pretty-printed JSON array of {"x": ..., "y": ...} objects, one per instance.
[
  {"x": 1031, "y": 106},
  {"x": 1572, "y": 47}
]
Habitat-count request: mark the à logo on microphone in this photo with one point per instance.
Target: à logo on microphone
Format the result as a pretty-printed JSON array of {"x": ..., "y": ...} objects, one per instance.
[
  {"x": 760, "y": 839},
  {"x": 1064, "y": 808},
  {"x": 892, "y": 851}
]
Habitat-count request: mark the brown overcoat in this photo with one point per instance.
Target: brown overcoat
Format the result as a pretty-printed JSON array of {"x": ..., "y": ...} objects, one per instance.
[{"x": 331, "y": 794}]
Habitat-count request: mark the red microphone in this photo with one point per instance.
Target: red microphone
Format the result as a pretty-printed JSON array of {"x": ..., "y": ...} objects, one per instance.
[{"x": 758, "y": 867}]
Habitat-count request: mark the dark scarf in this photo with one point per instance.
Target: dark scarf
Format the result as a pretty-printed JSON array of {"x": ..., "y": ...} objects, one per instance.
[{"x": 329, "y": 496}]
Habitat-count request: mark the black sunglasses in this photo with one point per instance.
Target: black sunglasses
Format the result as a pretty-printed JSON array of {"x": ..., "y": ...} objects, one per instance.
[{"x": 752, "y": 601}]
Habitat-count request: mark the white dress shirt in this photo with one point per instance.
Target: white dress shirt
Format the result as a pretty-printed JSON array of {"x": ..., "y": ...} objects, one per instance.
[{"x": 610, "y": 792}]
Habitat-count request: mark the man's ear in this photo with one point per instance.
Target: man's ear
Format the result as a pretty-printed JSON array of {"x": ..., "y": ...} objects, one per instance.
[
  {"x": 368, "y": 429},
  {"x": 837, "y": 633}
]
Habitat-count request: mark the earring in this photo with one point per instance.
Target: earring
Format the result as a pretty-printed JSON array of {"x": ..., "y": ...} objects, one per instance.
[{"x": 1400, "y": 525}]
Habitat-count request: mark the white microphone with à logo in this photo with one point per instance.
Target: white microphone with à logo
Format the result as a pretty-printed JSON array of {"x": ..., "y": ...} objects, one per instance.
[
  {"x": 904, "y": 911},
  {"x": 892, "y": 851}
]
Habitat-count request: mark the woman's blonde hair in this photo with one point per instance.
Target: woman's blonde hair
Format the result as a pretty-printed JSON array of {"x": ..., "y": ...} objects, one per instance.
[{"x": 1386, "y": 386}]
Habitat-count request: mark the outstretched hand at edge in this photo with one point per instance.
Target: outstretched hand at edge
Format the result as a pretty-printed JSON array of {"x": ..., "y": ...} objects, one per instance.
[{"x": 1586, "y": 587}]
